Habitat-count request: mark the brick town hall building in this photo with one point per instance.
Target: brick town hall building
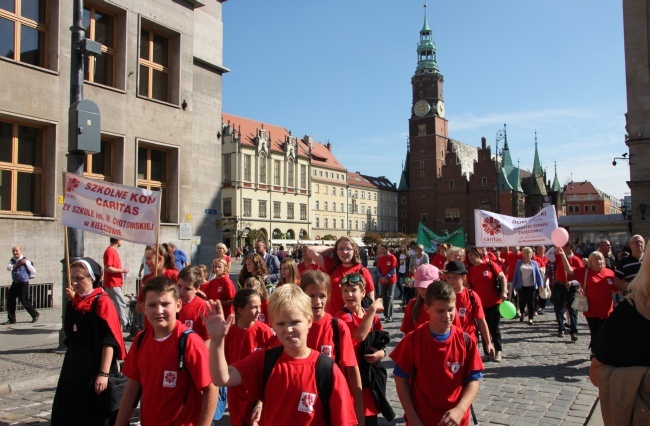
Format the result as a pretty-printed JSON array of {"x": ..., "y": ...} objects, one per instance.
[{"x": 444, "y": 180}]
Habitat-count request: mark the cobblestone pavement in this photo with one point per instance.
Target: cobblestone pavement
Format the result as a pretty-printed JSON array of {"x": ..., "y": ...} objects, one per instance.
[{"x": 542, "y": 379}]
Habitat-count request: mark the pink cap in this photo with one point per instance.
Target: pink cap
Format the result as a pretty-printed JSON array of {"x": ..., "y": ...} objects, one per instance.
[{"x": 425, "y": 275}]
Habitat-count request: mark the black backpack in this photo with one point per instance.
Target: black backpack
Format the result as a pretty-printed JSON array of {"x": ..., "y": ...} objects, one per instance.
[{"x": 324, "y": 376}]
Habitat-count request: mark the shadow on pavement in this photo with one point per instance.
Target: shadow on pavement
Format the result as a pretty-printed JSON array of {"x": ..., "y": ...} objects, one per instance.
[{"x": 573, "y": 375}]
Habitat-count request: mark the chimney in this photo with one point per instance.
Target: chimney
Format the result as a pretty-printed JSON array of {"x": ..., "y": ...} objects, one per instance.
[{"x": 483, "y": 143}]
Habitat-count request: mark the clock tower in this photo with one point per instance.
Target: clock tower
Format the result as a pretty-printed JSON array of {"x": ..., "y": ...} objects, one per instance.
[{"x": 428, "y": 133}]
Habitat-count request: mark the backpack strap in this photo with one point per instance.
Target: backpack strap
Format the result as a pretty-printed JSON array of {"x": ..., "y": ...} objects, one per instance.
[
  {"x": 324, "y": 383},
  {"x": 182, "y": 343},
  {"x": 336, "y": 338},
  {"x": 271, "y": 357}
]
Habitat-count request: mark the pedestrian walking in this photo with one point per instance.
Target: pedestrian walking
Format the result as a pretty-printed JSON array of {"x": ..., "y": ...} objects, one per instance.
[
  {"x": 22, "y": 271},
  {"x": 114, "y": 275}
]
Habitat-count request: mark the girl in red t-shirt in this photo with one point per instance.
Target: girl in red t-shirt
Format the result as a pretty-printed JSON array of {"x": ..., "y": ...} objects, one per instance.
[
  {"x": 244, "y": 337},
  {"x": 256, "y": 283},
  {"x": 221, "y": 286},
  {"x": 289, "y": 272},
  {"x": 316, "y": 285},
  {"x": 162, "y": 265}
]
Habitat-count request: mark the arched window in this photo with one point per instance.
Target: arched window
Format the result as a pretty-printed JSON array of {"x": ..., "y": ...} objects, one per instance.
[{"x": 451, "y": 184}]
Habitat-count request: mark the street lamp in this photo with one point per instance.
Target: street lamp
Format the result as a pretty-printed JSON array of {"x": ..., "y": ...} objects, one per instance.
[{"x": 627, "y": 216}]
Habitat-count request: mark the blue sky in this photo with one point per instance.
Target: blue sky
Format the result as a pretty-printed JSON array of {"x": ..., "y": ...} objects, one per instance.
[{"x": 341, "y": 71}]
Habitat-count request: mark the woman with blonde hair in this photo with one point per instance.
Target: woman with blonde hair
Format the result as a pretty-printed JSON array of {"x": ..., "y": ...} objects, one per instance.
[{"x": 527, "y": 279}]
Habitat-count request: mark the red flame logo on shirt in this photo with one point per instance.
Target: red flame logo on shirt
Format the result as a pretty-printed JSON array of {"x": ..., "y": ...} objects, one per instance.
[{"x": 491, "y": 226}]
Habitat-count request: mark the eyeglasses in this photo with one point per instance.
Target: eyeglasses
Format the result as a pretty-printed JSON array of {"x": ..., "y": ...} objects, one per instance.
[{"x": 351, "y": 278}]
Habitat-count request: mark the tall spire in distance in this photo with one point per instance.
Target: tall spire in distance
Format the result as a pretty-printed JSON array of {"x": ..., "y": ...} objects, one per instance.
[
  {"x": 505, "y": 153},
  {"x": 427, "y": 47},
  {"x": 556, "y": 182},
  {"x": 537, "y": 165}
]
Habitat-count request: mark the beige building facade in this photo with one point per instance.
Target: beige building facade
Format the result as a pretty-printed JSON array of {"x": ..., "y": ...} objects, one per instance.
[{"x": 158, "y": 88}]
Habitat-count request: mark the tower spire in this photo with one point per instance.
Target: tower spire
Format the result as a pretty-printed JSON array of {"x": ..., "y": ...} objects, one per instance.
[
  {"x": 537, "y": 165},
  {"x": 427, "y": 47},
  {"x": 556, "y": 182}
]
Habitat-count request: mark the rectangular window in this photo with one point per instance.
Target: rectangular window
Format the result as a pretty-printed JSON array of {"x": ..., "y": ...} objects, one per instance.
[
  {"x": 325, "y": 205},
  {"x": 227, "y": 167},
  {"x": 153, "y": 174},
  {"x": 375, "y": 196},
  {"x": 303, "y": 212},
  {"x": 316, "y": 205},
  {"x": 341, "y": 192},
  {"x": 227, "y": 206},
  {"x": 247, "y": 168},
  {"x": 363, "y": 209},
  {"x": 334, "y": 223},
  {"x": 276, "y": 172},
  {"x": 342, "y": 207},
  {"x": 100, "y": 26},
  {"x": 317, "y": 189},
  {"x": 363, "y": 195},
  {"x": 289, "y": 210},
  {"x": 277, "y": 209},
  {"x": 403, "y": 200},
  {"x": 262, "y": 205},
  {"x": 290, "y": 174},
  {"x": 22, "y": 168},
  {"x": 423, "y": 217},
  {"x": 577, "y": 209},
  {"x": 324, "y": 189},
  {"x": 100, "y": 165},
  {"x": 303, "y": 176},
  {"x": 333, "y": 206},
  {"x": 333, "y": 190},
  {"x": 342, "y": 224},
  {"x": 262, "y": 168},
  {"x": 24, "y": 31},
  {"x": 356, "y": 224},
  {"x": 374, "y": 209},
  {"x": 325, "y": 223},
  {"x": 317, "y": 222},
  {"x": 363, "y": 224},
  {"x": 248, "y": 207},
  {"x": 451, "y": 214},
  {"x": 154, "y": 64}
]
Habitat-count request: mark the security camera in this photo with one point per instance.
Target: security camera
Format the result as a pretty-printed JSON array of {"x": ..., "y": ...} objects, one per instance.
[{"x": 614, "y": 163}]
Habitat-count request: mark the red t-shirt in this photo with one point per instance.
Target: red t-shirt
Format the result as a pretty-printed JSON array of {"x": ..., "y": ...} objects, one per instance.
[
  {"x": 112, "y": 258},
  {"x": 321, "y": 339},
  {"x": 220, "y": 289},
  {"x": 511, "y": 264},
  {"x": 385, "y": 263},
  {"x": 541, "y": 261},
  {"x": 264, "y": 314},
  {"x": 302, "y": 269},
  {"x": 481, "y": 279},
  {"x": 560, "y": 275},
  {"x": 353, "y": 321},
  {"x": 172, "y": 274},
  {"x": 407, "y": 322},
  {"x": 335, "y": 304},
  {"x": 439, "y": 261},
  {"x": 164, "y": 388},
  {"x": 190, "y": 316},
  {"x": 449, "y": 362},
  {"x": 291, "y": 396},
  {"x": 239, "y": 344},
  {"x": 466, "y": 313},
  {"x": 600, "y": 288}
]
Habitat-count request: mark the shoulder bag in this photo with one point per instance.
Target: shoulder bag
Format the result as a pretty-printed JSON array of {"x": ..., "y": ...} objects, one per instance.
[{"x": 580, "y": 302}]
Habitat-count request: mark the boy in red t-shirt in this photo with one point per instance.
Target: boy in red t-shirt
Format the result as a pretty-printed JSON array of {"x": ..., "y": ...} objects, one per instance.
[
  {"x": 387, "y": 266},
  {"x": 361, "y": 322},
  {"x": 290, "y": 394},
  {"x": 442, "y": 351},
  {"x": 189, "y": 280},
  {"x": 170, "y": 395}
]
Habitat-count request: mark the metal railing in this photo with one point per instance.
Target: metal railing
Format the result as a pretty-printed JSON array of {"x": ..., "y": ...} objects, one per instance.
[{"x": 39, "y": 294}]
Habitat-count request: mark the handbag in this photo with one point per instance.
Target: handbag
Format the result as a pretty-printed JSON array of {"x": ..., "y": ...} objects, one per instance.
[
  {"x": 580, "y": 302},
  {"x": 497, "y": 281},
  {"x": 545, "y": 292},
  {"x": 115, "y": 389}
]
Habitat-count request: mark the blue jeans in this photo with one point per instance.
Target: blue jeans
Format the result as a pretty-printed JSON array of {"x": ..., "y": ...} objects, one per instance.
[{"x": 561, "y": 297}]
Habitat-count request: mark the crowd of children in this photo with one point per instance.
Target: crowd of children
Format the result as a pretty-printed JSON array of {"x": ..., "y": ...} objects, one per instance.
[{"x": 307, "y": 353}]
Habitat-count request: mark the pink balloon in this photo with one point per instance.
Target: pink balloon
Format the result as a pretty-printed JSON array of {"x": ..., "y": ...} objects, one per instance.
[{"x": 560, "y": 237}]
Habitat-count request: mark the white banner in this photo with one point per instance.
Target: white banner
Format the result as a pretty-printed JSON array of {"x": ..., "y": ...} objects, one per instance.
[
  {"x": 497, "y": 230},
  {"x": 111, "y": 209}
]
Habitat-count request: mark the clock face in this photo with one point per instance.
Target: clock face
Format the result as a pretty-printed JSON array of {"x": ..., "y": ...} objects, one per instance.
[
  {"x": 440, "y": 109},
  {"x": 421, "y": 108}
]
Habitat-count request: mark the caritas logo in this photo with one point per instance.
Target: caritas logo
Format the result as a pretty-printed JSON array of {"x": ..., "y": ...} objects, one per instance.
[
  {"x": 491, "y": 226},
  {"x": 73, "y": 183}
]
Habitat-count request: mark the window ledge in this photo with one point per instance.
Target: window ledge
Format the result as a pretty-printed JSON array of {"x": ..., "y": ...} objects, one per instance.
[
  {"x": 103, "y": 86},
  {"x": 158, "y": 102},
  {"x": 25, "y": 217},
  {"x": 30, "y": 66}
]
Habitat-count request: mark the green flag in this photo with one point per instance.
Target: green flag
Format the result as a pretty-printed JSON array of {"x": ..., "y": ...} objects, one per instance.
[{"x": 430, "y": 239}]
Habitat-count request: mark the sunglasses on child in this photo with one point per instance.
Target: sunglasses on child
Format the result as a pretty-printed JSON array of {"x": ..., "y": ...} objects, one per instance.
[{"x": 352, "y": 278}]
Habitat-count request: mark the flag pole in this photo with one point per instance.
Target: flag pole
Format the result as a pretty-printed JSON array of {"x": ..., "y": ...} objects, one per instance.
[{"x": 155, "y": 273}]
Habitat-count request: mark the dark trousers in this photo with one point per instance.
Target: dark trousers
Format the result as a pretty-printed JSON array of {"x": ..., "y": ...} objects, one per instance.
[
  {"x": 19, "y": 291},
  {"x": 595, "y": 324},
  {"x": 387, "y": 292},
  {"x": 493, "y": 318},
  {"x": 562, "y": 297},
  {"x": 527, "y": 299}
]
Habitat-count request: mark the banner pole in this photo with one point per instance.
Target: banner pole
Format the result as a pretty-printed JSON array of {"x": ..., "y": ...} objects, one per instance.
[{"x": 155, "y": 274}]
